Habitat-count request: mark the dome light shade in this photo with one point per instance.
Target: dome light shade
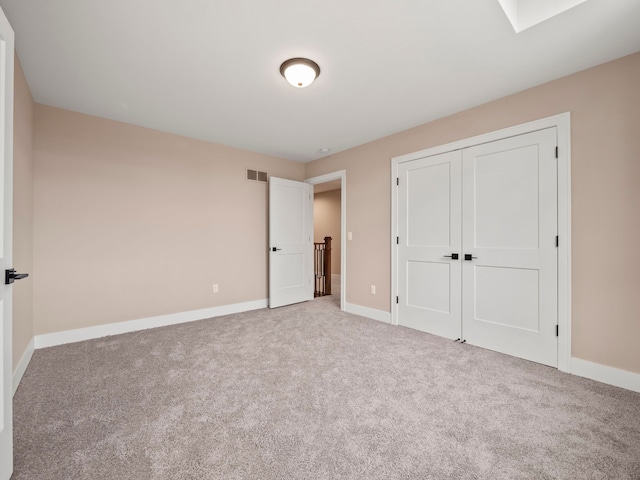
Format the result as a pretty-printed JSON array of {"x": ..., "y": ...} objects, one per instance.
[{"x": 300, "y": 72}]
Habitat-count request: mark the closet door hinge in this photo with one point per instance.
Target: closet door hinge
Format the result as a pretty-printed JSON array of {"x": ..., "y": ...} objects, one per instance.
[
  {"x": 557, "y": 241},
  {"x": 557, "y": 330},
  {"x": 556, "y": 152},
  {"x": 397, "y": 299},
  {"x": 397, "y": 180},
  {"x": 397, "y": 240}
]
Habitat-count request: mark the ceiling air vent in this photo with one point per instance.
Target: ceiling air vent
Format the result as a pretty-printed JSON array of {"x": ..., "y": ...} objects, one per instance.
[{"x": 257, "y": 176}]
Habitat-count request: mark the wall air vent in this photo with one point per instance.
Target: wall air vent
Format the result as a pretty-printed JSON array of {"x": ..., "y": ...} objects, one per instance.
[{"x": 257, "y": 176}]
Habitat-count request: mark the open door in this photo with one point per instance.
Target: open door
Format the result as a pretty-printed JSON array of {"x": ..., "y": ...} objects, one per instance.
[
  {"x": 6, "y": 194},
  {"x": 290, "y": 242}
]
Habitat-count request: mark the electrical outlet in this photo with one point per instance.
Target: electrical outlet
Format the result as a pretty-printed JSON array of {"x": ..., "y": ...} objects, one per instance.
[
  {"x": 215, "y": 288},
  {"x": 349, "y": 236},
  {"x": 373, "y": 289}
]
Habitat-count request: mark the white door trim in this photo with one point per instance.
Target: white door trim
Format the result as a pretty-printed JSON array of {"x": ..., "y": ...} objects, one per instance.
[
  {"x": 342, "y": 176},
  {"x": 562, "y": 122}
]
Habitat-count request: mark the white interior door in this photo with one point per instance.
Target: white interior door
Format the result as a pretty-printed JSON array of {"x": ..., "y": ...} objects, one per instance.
[
  {"x": 6, "y": 194},
  {"x": 429, "y": 238},
  {"x": 510, "y": 226},
  {"x": 290, "y": 242}
]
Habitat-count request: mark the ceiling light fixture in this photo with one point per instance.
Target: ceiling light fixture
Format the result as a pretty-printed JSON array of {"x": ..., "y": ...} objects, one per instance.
[{"x": 300, "y": 72}]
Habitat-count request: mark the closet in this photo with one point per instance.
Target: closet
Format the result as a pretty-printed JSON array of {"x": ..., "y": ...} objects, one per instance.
[{"x": 477, "y": 256}]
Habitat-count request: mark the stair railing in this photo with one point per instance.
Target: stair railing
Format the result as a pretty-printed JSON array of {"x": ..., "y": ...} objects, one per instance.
[{"x": 322, "y": 267}]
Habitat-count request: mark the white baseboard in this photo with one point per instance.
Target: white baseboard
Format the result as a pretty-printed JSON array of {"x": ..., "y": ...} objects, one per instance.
[
  {"x": 372, "y": 313},
  {"x": 88, "y": 333},
  {"x": 604, "y": 374},
  {"x": 22, "y": 365}
]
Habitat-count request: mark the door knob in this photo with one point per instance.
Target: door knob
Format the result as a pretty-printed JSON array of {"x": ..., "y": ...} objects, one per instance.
[
  {"x": 467, "y": 256},
  {"x": 274, "y": 249},
  {"x": 453, "y": 256},
  {"x": 10, "y": 276}
]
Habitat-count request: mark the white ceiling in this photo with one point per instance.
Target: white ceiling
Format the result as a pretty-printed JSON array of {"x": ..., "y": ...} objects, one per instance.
[{"x": 208, "y": 69}]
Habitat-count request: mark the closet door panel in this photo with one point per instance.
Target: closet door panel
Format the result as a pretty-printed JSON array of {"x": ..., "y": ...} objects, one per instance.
[
  {"x": 429, "y": 212},
  {"x": 509, "y": 227}
]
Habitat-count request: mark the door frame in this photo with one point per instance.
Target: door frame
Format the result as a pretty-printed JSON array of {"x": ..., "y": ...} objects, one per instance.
[
  {"x": 342, "y": 176},
  {"x": 562, "y": 123}
]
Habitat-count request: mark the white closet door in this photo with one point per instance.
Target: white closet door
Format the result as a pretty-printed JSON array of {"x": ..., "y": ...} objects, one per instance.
[
  {"x": 509, "y": 190},
  {"x": 429, "y": 209}
]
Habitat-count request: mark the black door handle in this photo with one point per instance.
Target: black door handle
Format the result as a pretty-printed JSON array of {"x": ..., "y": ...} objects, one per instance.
[
  {"x": 453, "y": 256},
  {"x": 467, "y": 256},
  {"x": 274, "y": 249},
  {"x": 11, "y": 275}
]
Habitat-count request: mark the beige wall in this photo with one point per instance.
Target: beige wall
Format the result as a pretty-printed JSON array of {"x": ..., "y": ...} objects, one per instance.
[
  {"x": 133, "y": 223},
  {"x": 22, "y": 213},
  {"x": 605, "y": 128},
  {"x": 326, "y": 223}
]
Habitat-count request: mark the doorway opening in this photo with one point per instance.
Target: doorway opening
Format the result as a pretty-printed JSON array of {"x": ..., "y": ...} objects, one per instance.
[{"x": 329, "y": 224}]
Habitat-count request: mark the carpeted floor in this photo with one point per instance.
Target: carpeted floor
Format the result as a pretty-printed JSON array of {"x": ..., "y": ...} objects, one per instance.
[{"x": 309, "y": 392}]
